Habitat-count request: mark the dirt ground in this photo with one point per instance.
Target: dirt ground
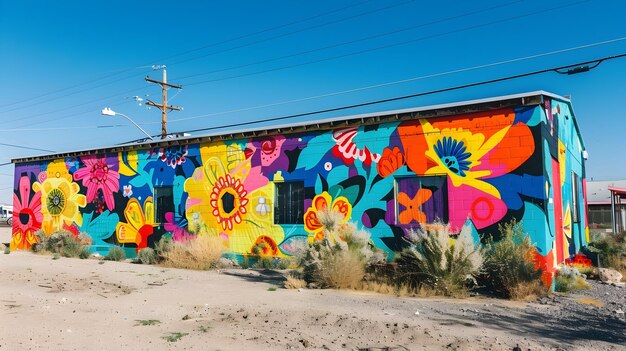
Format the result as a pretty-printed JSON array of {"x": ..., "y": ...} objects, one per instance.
[{"x": 72, "y": 304}]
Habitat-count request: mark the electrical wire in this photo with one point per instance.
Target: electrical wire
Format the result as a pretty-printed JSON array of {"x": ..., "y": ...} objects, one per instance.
[
  {"x": 25, "y": 147},
  {"x": 387, "y": 46},
  {"x": 177, "y": 55},
  {"x": 293, "y": 32},
  {"x": 440, "y": 74},
  {"x": 380, "y": 35},
  {"x": 437, "y": 91}
]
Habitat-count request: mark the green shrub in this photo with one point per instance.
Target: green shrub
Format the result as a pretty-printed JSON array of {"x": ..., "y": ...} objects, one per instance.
[
  {"x": 85, "y": 252},
  {"x": 508, "y": 268},
  {"x": 163, "y": 246},
  {"x": 265, "y": 263},
  {"x": 433, "y": 260},
  {"x": 60, "y": 242},
  {"x": 7, "y": 250},
  {"x": 612, "y": 250},
  {"x": 40, "y": 245},
  {"x": 116, "y": 253},
  {"x": 147, "y": 256},
  {"x": 245, "y": 262},
  {"x": 570, "y": 279}
]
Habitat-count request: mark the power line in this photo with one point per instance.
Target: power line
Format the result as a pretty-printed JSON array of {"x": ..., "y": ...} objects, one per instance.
[
  {"x": 461, "y": 70},
  {"x": 320, "y": 25},
  {"x": 387, "y": 46},
  {"x": 458, "y": 87},
  {"x": 438, "y": 21},
  {"x": 177, "y": 55},
  {"x": 25, "y": 147}
]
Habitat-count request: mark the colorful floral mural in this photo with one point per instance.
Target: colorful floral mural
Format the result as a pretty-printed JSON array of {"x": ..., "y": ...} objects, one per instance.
[{"x": 265, "y": 194}]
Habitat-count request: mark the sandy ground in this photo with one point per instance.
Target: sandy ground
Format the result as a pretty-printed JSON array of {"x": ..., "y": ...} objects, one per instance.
[
  {"x": 5, "y": 234},
  {"x": 72, "y": 304}
]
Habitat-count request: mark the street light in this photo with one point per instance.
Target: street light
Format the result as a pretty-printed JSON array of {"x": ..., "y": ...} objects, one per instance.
[{"x": 108, "y": 112}]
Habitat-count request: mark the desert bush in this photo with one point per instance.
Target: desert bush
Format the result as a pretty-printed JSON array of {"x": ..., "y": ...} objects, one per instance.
[
  {"x": 116, "y": 253},
  {"x": 434, "y": 260},
  {"x": 612, "y": 250},
  {"x": 163, "y": 246},
  {"x": 61, "y": 242},
  {"x": 509, "y": 269},
  {"x": 341, "y": 259},
  {"x": 40, "y": 245},
  {"x": 201, "y": 253},
  {"x": 266, "y": 262},
  {"x": 570, "y": 279},
  {"x": 85, "y": 252},
  {"x": 293, "y": 282},
  {"x": 147, "y": 256}
]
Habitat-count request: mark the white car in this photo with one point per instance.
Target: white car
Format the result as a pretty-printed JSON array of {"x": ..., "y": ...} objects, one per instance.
[{"x": 6, "y": 214}]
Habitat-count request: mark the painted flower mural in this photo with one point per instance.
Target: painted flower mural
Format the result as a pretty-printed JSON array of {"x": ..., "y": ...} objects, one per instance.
[
  {"x": 60, "y": 197},
  {"x": 174, "y": 155},
  {"x": 97, "y": 176},
  {"x": 228, "y": 201},
  {"x": 469, "y": 154},
  {"x": 324, "y": 202},
  {"x": 219, "y": 196},
  {"x": 27, "y": 216},
  {"x": 139, "y": 223}
]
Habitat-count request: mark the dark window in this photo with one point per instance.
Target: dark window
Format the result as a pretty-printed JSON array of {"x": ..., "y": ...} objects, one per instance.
[
  {"x": 575, "y": 198},
  {"x": 422, "y": 199},
  {"x": 164, "y": 202},
  {"x": 289, "y": 203}
]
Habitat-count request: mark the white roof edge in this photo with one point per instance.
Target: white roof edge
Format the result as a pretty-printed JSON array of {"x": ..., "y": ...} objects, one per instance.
[{"x": 326, "y": 120}]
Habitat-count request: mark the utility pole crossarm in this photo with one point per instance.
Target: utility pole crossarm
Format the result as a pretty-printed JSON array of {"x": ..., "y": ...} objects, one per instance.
[
  {"x": 148, "y": 79},
  {"x": 164, "y": 106}
]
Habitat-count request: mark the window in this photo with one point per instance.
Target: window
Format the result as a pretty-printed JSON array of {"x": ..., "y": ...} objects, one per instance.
[
  {"x": 289, "y": 203},
  {"x": 422, "y": 199},
  {"x": 164, "y": 202},
  {"x": 575, "y": 199}
]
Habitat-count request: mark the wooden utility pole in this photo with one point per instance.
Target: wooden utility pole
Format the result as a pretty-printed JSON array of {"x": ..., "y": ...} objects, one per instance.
[{"x": 164, "y": 106}]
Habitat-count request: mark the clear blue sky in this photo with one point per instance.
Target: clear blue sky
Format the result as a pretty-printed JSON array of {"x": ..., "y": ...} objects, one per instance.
[{"x": 63, "y": 61}]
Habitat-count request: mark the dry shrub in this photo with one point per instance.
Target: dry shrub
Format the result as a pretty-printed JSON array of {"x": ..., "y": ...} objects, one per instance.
[
  {"x": 201, "y": 253},
  {"x": 509, "y": 269},
  {"x": 528, "y": 290},
  {"x": 434, "y": 261},
  {"x": 61, "y": 242},
  {"x": 341, "y": 259},
  {"x": 294, "y": 283},
  {"x": 343, "y": 270}
]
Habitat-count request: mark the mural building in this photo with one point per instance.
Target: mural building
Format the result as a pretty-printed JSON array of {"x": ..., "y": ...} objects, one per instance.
[{"x": 478, "y": 163}]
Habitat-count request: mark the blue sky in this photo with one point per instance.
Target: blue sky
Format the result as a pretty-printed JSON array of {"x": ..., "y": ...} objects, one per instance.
[{"x": 63, "y": 61}]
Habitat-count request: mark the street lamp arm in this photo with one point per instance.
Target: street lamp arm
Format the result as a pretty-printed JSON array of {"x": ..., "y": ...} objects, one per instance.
[{"x": 136, "y": 125}]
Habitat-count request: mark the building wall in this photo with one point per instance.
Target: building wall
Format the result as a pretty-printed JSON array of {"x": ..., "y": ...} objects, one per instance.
[{"x": 480, "y": 169}]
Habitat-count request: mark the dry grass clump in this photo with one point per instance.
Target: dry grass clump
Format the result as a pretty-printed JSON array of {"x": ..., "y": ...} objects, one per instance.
[
  {"x": 435, "y": 261},
  {"x": 341, "y": 259},
  {"x": 509, "y": 267},
  {"x": 528, "y": 290},
  {"x": 294, "y": 283},
  {"x": 201, "y": 253}
]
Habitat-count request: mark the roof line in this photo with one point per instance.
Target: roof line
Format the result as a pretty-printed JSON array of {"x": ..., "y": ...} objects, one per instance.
[{"x": 328, "y": 123}]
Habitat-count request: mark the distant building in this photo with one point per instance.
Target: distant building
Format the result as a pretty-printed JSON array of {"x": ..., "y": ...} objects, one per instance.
[
  {"x": 607, "y": 204},
  {"x": 479, "y": 163}
]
